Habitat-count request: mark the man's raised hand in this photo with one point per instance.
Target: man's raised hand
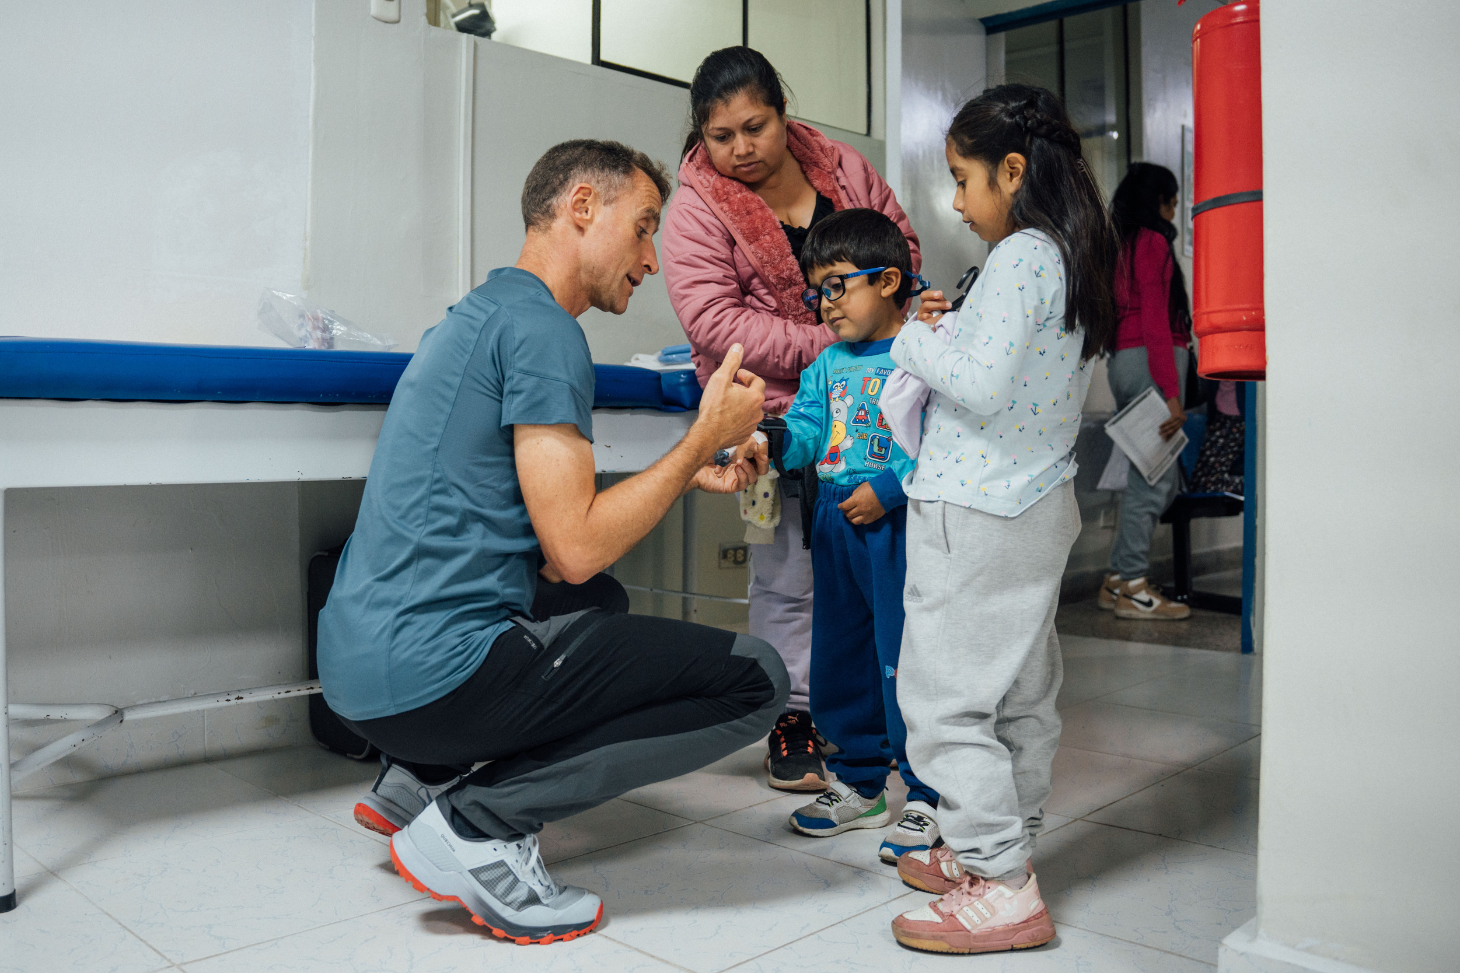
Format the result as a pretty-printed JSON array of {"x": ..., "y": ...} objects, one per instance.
[{"x": 732, "y": 405}]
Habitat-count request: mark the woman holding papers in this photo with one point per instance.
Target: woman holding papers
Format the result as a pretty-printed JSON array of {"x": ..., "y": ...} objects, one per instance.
[{"x": 1150, "y": 295}]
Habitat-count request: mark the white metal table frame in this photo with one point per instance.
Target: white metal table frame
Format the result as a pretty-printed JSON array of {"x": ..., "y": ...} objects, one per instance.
[{"x": 47, "y": 443}]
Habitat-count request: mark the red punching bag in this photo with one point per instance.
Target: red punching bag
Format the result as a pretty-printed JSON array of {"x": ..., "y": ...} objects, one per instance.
[{"x": 1226, "y": 68}]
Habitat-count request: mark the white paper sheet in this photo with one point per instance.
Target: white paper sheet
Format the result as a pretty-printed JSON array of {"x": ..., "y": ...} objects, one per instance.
[{"x": 1136, "y": 429}]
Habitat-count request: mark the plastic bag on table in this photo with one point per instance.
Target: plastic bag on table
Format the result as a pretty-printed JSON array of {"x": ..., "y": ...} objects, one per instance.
[{"x": 296, "y": 322}]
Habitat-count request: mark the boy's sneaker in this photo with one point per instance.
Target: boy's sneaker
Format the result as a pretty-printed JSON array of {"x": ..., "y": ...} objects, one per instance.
[
  {"x": 978, "y": 916},
  {"x": 841, "y": 809},
  {"x": 503, "y": 884},
  {"x": 916, "y": 831},
  {"x": 395, "y": 800},
  {"x": 794, "y": 761},
  {"x": 1109, "y": 592},
  {"x": 1139, "y": 599}
]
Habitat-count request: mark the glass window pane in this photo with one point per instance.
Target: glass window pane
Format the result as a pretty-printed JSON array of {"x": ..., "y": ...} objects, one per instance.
[
  {"x": 1031, "y": 56},
  {"x": 1095, "y": 90},
  {"x": 820, "y": 48},
  {"x": 666, "y": 37}
]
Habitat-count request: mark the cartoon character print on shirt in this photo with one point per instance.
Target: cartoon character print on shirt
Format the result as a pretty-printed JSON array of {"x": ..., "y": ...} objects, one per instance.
[
  {"x": 863, "y": 418},
  {"x": 835, "y": 459}
]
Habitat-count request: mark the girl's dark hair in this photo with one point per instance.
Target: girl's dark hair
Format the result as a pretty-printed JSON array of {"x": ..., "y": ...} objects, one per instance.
[
  {"x": 1058, "y": 195},
  {"x": 725, "y": 74},
  {"x": 1137, "y": 206},
  {"x": 863, "y": 238}
]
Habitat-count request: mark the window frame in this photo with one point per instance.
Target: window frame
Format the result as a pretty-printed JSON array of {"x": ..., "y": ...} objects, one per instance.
[{"x": 598, "y": 61}]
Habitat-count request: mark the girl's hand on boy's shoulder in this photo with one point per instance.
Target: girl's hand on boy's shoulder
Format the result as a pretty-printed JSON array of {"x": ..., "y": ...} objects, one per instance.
[
  {"x": 931, "y": 307},
  {"x": 862, "y": 507}
]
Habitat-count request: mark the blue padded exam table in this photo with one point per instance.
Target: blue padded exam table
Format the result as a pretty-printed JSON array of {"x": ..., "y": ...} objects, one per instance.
[{"x": 103, "y": 413}]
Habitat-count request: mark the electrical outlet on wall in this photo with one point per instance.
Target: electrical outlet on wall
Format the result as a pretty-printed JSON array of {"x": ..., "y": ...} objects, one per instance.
[{"x": 734, "y": 555}]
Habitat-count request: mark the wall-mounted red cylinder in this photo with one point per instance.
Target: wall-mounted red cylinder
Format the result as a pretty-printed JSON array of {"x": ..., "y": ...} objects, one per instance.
[{"x": 1226, "y": 68}]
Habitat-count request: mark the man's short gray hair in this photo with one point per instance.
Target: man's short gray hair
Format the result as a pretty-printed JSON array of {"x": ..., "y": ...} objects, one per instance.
[{"x": 607, "y": 166}]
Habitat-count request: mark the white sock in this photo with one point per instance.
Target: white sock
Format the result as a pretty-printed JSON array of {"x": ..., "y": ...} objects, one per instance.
[{"x": 1016, "y": 879}]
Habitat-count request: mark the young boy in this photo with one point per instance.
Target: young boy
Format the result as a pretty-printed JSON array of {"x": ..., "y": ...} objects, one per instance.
[{"x": 860, "y": 270}]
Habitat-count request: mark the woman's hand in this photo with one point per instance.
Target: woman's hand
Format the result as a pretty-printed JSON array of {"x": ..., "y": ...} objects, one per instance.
[
  {"x": 931, "y": 307},
  {"x": 1171, "y": 426},
  {"x": 862, "y": 507}
]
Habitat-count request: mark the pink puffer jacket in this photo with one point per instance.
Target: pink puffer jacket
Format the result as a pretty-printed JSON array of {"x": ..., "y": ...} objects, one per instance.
[{"x": 729, "y": 268}]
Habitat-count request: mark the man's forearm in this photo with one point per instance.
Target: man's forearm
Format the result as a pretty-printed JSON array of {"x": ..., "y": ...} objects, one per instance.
[{"x": 621, "y": 516}]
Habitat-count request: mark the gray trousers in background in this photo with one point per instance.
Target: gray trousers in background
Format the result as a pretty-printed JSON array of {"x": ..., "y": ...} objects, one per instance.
[
  {"x": 780, "y": 600},
  {"x": 1143, "y": 503},
  {"x": 981, "y": 668}
]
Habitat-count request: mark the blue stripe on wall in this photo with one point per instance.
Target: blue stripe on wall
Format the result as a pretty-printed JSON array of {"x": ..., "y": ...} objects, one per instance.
[
  {"x": 1042, "y": 12},
  {"x": 1249, "y": 514}
]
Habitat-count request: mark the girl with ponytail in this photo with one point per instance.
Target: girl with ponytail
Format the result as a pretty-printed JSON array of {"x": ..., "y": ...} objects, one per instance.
[{"x": 992, "y": 514}]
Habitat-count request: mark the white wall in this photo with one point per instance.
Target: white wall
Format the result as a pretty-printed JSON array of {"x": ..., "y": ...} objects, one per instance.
[
  {"x": 1358, "y": 850},
  {"x": 155, "y": 167}
]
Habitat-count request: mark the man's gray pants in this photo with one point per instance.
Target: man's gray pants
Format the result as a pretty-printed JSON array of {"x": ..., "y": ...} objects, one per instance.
[
  {"x": 981, "y": 668},
  {"x": 1143, "y": 503},
  {"x": 780, "y": 600},
  {"x": 574, "y": 714}
]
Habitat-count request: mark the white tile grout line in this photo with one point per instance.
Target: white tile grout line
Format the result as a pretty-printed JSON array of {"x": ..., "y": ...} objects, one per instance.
[
  {"x": 167, "y": 960},
  {"x": 821, "y": 929}
]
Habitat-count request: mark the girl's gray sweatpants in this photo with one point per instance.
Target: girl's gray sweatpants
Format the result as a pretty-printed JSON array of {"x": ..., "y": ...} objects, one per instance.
[{"x": 981, "y": 668}]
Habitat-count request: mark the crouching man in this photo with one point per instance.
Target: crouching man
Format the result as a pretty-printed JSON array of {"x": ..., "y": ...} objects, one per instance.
[{"x": 469, "y": 620}]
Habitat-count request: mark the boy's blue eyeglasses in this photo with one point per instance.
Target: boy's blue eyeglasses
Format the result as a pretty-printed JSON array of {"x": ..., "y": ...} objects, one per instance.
[{"x": 833, "y": 288}]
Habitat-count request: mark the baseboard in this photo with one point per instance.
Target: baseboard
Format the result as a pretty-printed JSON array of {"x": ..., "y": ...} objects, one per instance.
[
  {"x": 1079, "y": 584},
  {"x": 1247, "y": 951}
]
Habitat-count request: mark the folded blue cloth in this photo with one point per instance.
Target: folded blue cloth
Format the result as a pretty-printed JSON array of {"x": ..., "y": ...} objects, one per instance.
[{"x": 674, "y": 354}]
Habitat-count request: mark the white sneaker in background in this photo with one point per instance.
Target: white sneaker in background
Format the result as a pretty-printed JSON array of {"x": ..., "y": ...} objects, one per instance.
[
  {"x": 916, "y": 831},
  {"x": 1140, "y": 599}
]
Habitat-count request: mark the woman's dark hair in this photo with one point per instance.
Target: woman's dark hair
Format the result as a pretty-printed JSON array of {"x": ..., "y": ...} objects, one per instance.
[
  {"x": 725, "y": 74},
  {"x": 863, "y": 238},
  {"x": 1058, "y": 195},
  {"x": 1137, "y": 206}
]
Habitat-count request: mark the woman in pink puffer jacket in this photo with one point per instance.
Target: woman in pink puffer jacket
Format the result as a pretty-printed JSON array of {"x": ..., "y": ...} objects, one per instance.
[{"x": 751, "y": 185}]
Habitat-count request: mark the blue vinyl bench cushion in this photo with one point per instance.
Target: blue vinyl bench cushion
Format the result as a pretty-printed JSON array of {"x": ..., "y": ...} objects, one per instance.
[{"x": 45, "y": 368}]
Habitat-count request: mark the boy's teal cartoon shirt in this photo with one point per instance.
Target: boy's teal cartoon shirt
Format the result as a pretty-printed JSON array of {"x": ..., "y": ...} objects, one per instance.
[{"x": 836, "y": 423}]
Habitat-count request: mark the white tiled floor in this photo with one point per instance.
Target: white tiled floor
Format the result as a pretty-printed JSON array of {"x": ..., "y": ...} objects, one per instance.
[{"x": 254, "y": 864}]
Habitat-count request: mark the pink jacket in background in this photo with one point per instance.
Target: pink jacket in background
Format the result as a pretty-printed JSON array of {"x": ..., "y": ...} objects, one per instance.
[
  {"x": 729, "y": 268},
  {"x": 1144, "y": 307}
]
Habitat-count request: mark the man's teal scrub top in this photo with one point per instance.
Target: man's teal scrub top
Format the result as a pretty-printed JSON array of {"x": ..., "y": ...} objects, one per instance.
[{"x": 443, "y": 553}]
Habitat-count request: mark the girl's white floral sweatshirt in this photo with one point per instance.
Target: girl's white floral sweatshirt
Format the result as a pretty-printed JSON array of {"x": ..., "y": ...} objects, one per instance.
[{"x": 999, "y": 429}]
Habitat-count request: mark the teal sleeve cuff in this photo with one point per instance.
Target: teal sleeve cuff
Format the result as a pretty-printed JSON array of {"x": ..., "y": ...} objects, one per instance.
[
  {"x": 794, "y": 454},
  {"x": 888, "y": 487}
]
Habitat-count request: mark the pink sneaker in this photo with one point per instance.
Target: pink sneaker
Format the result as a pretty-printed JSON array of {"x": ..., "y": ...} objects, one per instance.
[
  {"x": 933, "y": 870},
  {"x": 936, "y": 870},
  {"x": 979, "y": 916}
]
